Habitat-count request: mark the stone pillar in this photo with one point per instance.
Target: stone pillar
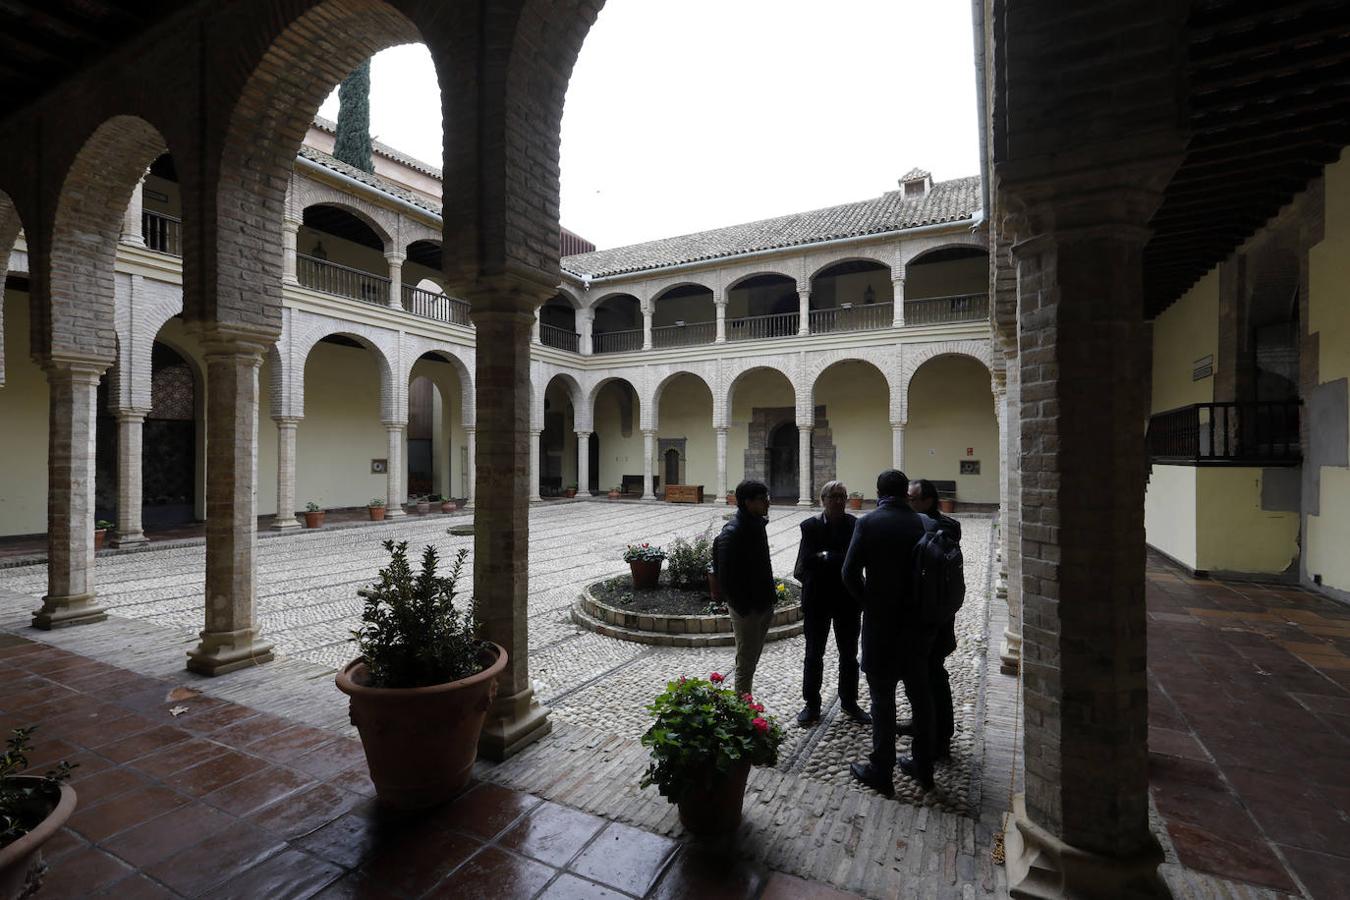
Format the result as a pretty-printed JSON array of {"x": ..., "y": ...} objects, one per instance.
[
  {"x": 286, "y": 430},
  {"x": 1010, "y": 521},
  {"x": 898, "y": 309},
  {"x": 129, "y": 490},
  {"x": 583, "y": 463},
  {"x": 803, "y": 310},
  {"x": 720, "y": 303},
  {"x": 805, "y": 490},
  {"x": 395, "y": 260},
  {"x": 535, "y": 336},
  {"x": 471, "y": 441},
  {"x": 73, "y": 386},
  {"x": 898, "y": 445},
  {"x": 502, "y": 519},
  {"x": 722, "y": 486},
  {"x": 133, "y": 222},
  {"x": 646, "y": 327},
  {"x": 585, "y": 331},
  {"x": 231, "y": 639},
  {"x": 290, "y": 228},
  {"x": 534, "y": 465},
  {"x": 648, "y": 451},
  {"x": 394, "y": 471}
]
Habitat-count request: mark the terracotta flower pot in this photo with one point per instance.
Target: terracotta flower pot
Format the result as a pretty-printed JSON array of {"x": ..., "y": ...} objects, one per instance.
[
  {"x": 731, "y": 499},
  {"x": 714, "y": 587},
  {"x": 715, "y": 809},
  {"x": 376, "y": 513},
  {"x": 421, "y": 743},
  {"x": 314, "y": 519},
  {"x": 423, "y": 507},
  {"x": 99, "y": 535},
  {"x": 570, "y": 493},
  {"x": 645, "y": 574},
  {"x": 21, "y": 862},
  {"x": 855, "y": 502},
  {"x": 947, "y": 504},
  {"x": 614, "y": 495},
  {"x": 449, "y": 506}
]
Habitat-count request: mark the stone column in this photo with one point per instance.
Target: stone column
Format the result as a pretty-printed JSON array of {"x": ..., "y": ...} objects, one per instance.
[
  {"x": 646, "y": 327},
  {"x": 720, "y": 304},
  {"x": 73, "y": 386},
  {"x": 290, "y": 228},
  {"x": 471, "y": 441},
  {"x": 502, "y": 519},
  {"x": 898, "y": 309},
  {"x": 722, "y": 486},
  {"x": 394, "y": 471},
  {"x": 648, "y": 451},
  {"x": 133, "y": 223},
  {"x": 395, "y": 260},
  {"x": 898, "y": 445},
  {"x": 1009, "y": 589},
  {"x": 534, "y": 465},
  {"x": 586, "y": 331},
  {"x": 803, "y": 310},
  {"x": 583, "y": 463},
  {"x": 535, "y": 335},
  {"x": 231, "y": 639},
  {"x": 286, "y": 430},
  {"x": 129, "y": 491},
  {"x": 805, "y": 490}
]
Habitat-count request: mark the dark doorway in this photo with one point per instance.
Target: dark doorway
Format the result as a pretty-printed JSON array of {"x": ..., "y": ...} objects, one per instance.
[
  {"x": 782, "y": 462},
  {"x": 593, "y": 463},
  {"x": 169, "y": 443},
  {"x": 673, "y": 466}
]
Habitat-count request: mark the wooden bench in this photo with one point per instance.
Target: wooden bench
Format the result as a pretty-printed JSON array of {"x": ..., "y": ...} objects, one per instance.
[{"x": 684, "y": 493}]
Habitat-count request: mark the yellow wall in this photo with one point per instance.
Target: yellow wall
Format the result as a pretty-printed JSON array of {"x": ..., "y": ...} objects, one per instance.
[
  {"x": 23, "y": 428},
  {"x": 341, "y": 431},
  {"x": 448, "y": 438},
  {"x": 947, "y": 279},
  {"x": 762, "y": 387},
  {"x": 856, "y": 401},
  {"x": 1169, "y": 513},
  {"x": 951, "y": 409},
  {"x": 1329, "y": 318},
  {"x": 619, "y": 454},
  {"x": 686, "y": 412},
  {"x": 1185, "y": 332}
]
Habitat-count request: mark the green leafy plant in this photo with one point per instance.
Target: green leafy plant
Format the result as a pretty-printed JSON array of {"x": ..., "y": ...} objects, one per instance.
[
  {"x": 643, "y": 553},
  {"x": 412, "y": 633},
  {"x": 376, "y": 502},
  {"x": 690, "y": 560},
  {"x": 103, "y": 525},
  {"x": 855, "y": 495},
  {"x": 24, "y": 804},
  {"x": 434, "y": 498},
  {"x": 702, "y": 731},
  {"x": 311, "y": 506}
]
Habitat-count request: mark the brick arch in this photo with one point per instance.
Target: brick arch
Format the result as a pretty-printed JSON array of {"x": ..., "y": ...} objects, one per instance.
[
  {"x": 393, "y": 389},
  {"x": 581, "y": 416},
  {"x": 876, "y": 357},
  {"x": 658, "y": 292},
  {"x": 139, "y": 318},
  {"x": 593, "y": 393},
  {"x": 382, "y": 221},
  {"x": 460, "y": 358},
  {"x": 843, "y": 257},
  {"x": 732, "y": 376},
  {"x": 654, "y": 404},
  {"x": 10, "y": 225},
  {"x": 915, "y": 251},
  {"x": 915, "y": 355},
  {"x": 735, "y": 282}
]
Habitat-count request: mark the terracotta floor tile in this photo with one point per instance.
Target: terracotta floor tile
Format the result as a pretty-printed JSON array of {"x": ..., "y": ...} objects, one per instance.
[
  {"x": 108, "y": 784},
  {"x": 305, "y": 811},
  {"x": 291, "y": 874},
  {"x": 202, "y": 718},
  {"x": 570, "y": 887},
  {"x": 495, "y": 875},
  {"x": 292, "y": 742},
  {"x": 356, "y": 779},
  {"x": 331, "y": 758},
  {"x": 163, "y": 763},
  {"x": 225, "y": 768},
  {"x": 245, "y": 731},
  {"x": 347, "y": 840},
  {"x": 98, "y": 823},
  {"x": 414, "y": 859},
  {"x": 552, "y": 833},
  {"x": 626, "y": 858},
  {"x": 137, "y": 887},
  {"x": 61, "y": 843},
  {"x": 1324, "y": 874},
  {"x": 789, "y": 887},
  {"x": 1175, "y": 743},
  {"x": 97, "y": 730},
  {"x": 146, "y": 742},
  {"x": 485, "y": 810},
  {"x": 710, "y": 875},
  {"x": 146, "y": 844},
  {"x": 81, "y": 872},
  {"x": 1294, "y": 810},
  {"x": 258, "y": 789},
  {"x": 1198, "y": 847},
  {"x": 357, "y": 886},
  {"x": 217, "y": 859}
]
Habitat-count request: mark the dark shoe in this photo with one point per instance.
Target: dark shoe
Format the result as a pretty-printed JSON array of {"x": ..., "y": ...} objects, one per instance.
[
  {"x": 809, "y": 715},
  {"x": 923, "y": 776},
  {"x": 857, "y": 714},
  {"x": 904, "y": 728},
  {"x": 869, "y": 776}
]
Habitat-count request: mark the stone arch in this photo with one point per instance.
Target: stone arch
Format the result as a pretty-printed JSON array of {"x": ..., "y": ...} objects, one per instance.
[
  {"x": 582, "y": 417},
  {"x": 914, "y": 251},
  {"x": 593, "y": 393},
  {"x": 666, "y": 287},
  {"x": 567, "y": 294},
  {"x": 384, "y": 222},
  {"x": 382, "y": 343},
  {"x": 817, "y": 365},
  {"x": 740, "y": 277},
  {"x": 654, "y": 403},
  {"x": 827, "y": 262},
  {"x": 461, "y": 358},
  {"x": 10, "y": 226},
  {"x": 733, "y": 376},
  {"x": 915, "y": 355}
]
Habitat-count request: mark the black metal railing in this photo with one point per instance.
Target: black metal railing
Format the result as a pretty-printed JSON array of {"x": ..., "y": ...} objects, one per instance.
[
  {"x": 684, "y": 334},
  {"x": 344, "y": 281},
  {"x": 616, "y": 341},
  {"x": 553, "y": 336},
  {"x": 851, "y": 317},
  {"x": 1264, "y": 432},
  {"x": 436, "y": 306},
  {"x": 753, "y": 328},
  {"x": 946, "y": 310},
  {"x": 162, "y": 232}
]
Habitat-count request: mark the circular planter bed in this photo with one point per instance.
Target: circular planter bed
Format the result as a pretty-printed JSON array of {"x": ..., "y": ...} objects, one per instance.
[{"x": 671, "y": 617}]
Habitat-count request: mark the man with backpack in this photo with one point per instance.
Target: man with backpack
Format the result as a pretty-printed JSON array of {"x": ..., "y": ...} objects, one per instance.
[
  {"x": 896, "y": 641},
  {"x": 944, "y": 554}
]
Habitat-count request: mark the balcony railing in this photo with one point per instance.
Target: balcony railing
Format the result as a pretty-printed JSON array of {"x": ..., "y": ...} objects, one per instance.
[
  {"x": 852, "y": 318},
  {"x": 684, "y": 334},
  {"x": 616, "y": 341},
  {"x": 162, "y": 232},
  {"x": 436, "y": 306},
  {"x": 946, "y": 310},
  {"x": 754, "y": 328},
  {"x": 1251, "y": 433},
  {"x": 561, "y": 338},
  {"x": 344, "y": 281}
]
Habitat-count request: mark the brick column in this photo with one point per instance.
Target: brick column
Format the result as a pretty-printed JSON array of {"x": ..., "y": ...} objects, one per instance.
[
  {"x": 471, "y": 442},
  {"x": 1010, "y": 521},
  {"x": 898, "y": 310},
  {"x": 73, "y": 386},
  {"x": 285, "y": 518},
  {"x": 129, "y": 490},
  {"x": 583, "y": 463},
  {"x": 721, "y": 463},
  {"x": 646, "y": 327},
  {"x": 393, "y": 473},
  {"x": 804, "y": 467},
  {"x": 585, "y": 331},
  {"x": 803, "y": 309},
  {"x": 648, "y": 451},
  {"x": 290, "y": 228},
  {"x": 230, "y": 639},
  {"x": 133, "y": 223},
  {"x": 898, "y": 445},
  {"x": 395, "y": 261},
  {"x": 720, "y": 305},
  {"x": 534, "y": 465}
]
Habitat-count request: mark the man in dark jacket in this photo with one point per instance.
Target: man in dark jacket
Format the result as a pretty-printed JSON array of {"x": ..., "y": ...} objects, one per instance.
[
  {"x": 825, "y": 602},
  {"x": 923, "y": 497},
  {"x": 745, "y": 577},
  {"x": 879, "y": 571}
]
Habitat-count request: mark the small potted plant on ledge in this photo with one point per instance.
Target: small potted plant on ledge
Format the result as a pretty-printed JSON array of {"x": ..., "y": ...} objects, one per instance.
[
  {"x": 448, "y": 505},
  {"x": 703, "y": 743},
  {"x": 101, "y": 528},
  {"x": 32, "y": 809},
  {"x": 313, "y": 515},
  {"x": 422, "y": 504},
  {"x": 422, "y": 684},
  {"x": 570, "y": 491},
  {"x": 855, "y": 500},
  {"x": 615, "y": 492},
  {"x": 376, "y": 509},
  {"x": 644, "y": 561}
]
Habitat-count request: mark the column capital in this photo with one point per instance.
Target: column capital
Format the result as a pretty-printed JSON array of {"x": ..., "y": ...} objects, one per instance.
[
  {"x": 503, "y": 295},
  {"x": 78, "y": 369},
  {"x": 721, "y": 429},
  {"x": 583, "y": 432},
  {"x": 220, "y": 339},
  {"x": 535, "y": 432},
  {"x": 900, "y": 425},
  {"x": 649, "y": 432},
  {"x": 290, "y": 226},
  {"x": 130, "y": 413},
  {"x": 394, "y": 424},
  {"x": 287, "y": 421},
  {"x": 395, "y": 257}
]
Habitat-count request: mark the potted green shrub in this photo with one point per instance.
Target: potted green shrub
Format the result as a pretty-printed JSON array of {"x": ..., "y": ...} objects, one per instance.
[
  {"x": 570, "y": 491},
  {"x": 615, "y": 492},
  {"x": 703, "y": 743},
  {"x": 855, "y": 499},
  {"x": 422, "y": 504},
  {"x": 448, "y": 505},
  {"x": 644, "y": 561},
  {"x": 421, "y": 684},
  {"x": 32, "y": 809},
  {"x": 101, "y": 528},
  {"x": 689, "y": 562},
  {"x": 376, "y": 509},
  {"x": 313, "y": 515}
]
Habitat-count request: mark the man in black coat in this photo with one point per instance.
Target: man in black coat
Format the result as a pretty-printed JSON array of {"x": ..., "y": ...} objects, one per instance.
[
  {"x": 879, "y": 571},
  {"x": 745, "y": 578},
  {"x": 923, "y": 497},
  {"x": 826, "y": 602}
]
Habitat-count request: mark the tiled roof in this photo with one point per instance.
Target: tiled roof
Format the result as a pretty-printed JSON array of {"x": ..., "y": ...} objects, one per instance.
[
  {"x": 329, "y": 161},
  {"x": 915, "y": 174},
  {"x": 384, "y": 150},
  {"x": 947, "y": 201}
]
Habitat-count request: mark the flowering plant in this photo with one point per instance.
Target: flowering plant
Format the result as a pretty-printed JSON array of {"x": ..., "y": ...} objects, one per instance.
[
  {"x": 702, "y": 731},
  {"x": 780, "y": 591},
  {"x": 643, "y": 553}
]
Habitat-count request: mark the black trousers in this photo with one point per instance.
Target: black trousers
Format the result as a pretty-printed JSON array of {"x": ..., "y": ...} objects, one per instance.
[
  {"x": 846, "y": 617},
  {"x": 914, "y": 649},
  {"x": 944, "y": 719}
]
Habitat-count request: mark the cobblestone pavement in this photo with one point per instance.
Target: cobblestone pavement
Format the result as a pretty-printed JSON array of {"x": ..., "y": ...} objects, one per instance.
[{"x": 307, "y": 605}]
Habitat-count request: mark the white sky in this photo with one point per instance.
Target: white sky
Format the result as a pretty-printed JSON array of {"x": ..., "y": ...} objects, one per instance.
[{"x": 684, "y": 115}]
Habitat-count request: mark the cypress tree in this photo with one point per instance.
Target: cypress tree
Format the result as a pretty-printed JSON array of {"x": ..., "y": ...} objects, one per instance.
[{"x": 353, "y": 124}]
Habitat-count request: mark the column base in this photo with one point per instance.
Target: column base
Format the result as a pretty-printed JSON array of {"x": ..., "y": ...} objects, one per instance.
[
  {"x": 64, "y": 612},
  {"x": 513, "y": 723},
  {"x": 396, "y": 512},
  {"x": 130, "y": 540},
  {"x": 1010, "y": 653},
  {"x": 227, "y": 651},
  {"x": 581, "y": 495},
  {"x": 1043, "y": 866},
  {"x": 283, "y": 523},
  {"x": 804, "y": 502},
  {"x": 648, "y": 498}
]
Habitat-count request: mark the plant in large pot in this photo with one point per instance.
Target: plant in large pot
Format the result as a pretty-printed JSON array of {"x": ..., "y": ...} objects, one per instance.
[
  {"x": 644, "y": 561},
  {"x": 376, "y": 509},
  {"x": 101, "y": 528},
  {"x": 32, "y": 809},
  {"x": 689, "y": 563},
  {"x": 422, "y": 683},
  {"x": 855, "y": 499},
  {"x": 313, "y": 515},
  {"x": 703, "y": 743}
]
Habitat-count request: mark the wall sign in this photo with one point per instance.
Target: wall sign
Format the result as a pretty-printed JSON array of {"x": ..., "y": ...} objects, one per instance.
[
  {"x": 970, "y": 467},
  {"x": 379, "y": 466}
]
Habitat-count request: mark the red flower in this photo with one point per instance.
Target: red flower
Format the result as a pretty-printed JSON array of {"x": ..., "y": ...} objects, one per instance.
[
  {"x": 760, "y": 725},
  {"x": 683, "y": 679},
  {"x": 717, "y": 678},
  {"x": 646, "y": 545},
  {"x": 747, "y": 698},
  {"x": 757, "y": 707}
]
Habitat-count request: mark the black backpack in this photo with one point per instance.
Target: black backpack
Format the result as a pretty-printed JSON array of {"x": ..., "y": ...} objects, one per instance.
[{"x": 939, "y": 576}]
